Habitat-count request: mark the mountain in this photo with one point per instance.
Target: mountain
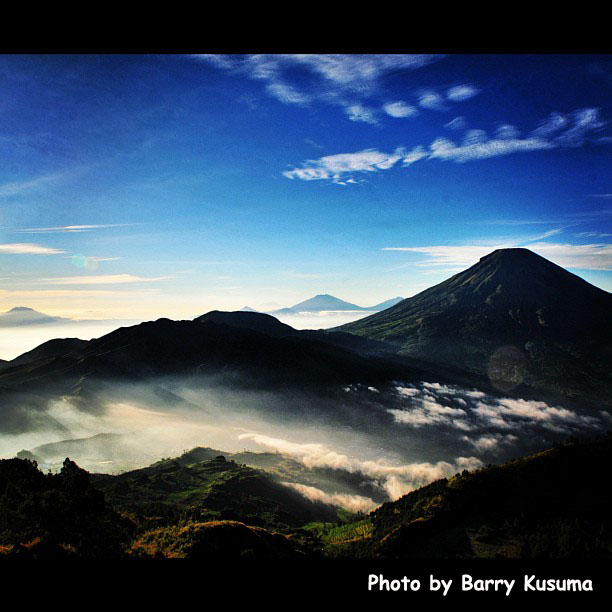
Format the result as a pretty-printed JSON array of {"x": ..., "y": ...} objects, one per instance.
[
  {"x": 204, "y": 352},
  {"x": 248, "y": 309},
  {"x": 205, "y": 488},
  {"x": 46, "y": 350},
  {"x": 319, "y": 303},
  {"x": 385, "y": 305},
  {"x": 21, "y": 315},
  {"x": 64, "y": 448},
  {"x": 271, "y": 326},
  {"x": 264, "y": 323},
  {"x": 325, "y": 302},
  {"x": 522, "y": 508},
  {"x": 515, "y": 317}
]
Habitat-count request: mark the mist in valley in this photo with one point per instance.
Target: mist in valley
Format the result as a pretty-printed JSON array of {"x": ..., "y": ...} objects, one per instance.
[{"x": 354, "y": 446}]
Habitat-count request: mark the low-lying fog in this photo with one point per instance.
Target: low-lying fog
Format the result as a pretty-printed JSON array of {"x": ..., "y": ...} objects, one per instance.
[
  {"x": 322, "y": 320},
  {"x": 367, "y": 444},
  {"x": 15, "y": 341}
]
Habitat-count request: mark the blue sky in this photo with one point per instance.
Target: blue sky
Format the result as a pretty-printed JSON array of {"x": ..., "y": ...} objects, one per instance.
[{"x": 147, "y": 186}]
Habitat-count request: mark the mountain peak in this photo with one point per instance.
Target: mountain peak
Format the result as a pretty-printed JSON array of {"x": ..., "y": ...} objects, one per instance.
[
  {"x": 324, "y": 301},
  {"x": 513, "y": 254},
  {"x": 510, "y": 298},
  {"x": 22, "y": 315}
]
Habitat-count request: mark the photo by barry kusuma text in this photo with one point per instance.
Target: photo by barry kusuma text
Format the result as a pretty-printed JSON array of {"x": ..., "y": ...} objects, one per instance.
[{"x": 467, "y": 583}]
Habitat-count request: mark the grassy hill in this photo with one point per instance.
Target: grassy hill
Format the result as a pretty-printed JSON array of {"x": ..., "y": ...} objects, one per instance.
[{"x": 197, "y": 487}]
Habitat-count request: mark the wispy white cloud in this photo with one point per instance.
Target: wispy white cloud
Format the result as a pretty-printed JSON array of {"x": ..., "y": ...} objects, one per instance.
[
  {"x": 413, "y": 156},
  {"x": 17, "y": 187},
  {"x": 53, "y": 293},
  {"x": 483, "y": 148},
  {"x": 358, "y": 112},
  {"x": 570, "y": 130},
  {"x": 68, "y": 228},
  {"x": 458, "y": 93},
  {"x": 458, "y": 124},
  {"x": 287, "y": 94},
  {"x": 550, "y": 126},
  {"x": 305, "y": 275},
  {"x": 27, "y": 248},
  {"x": 476, "y": 145},
  {"x": 507, "y": 132},
  {"x": 400, "y": 109},
  {"x": 341, "y": 80},
  {"x": 578, "y": 256},
  {"x": 594, "y": 234},
  {"x": 335, "y": 166},
  {"x": 78, "y": 258},
  {"x": 358, "y": 71},
  {"x": 101, "y": 279},
  {"x": 583, "y": 122},
  {"x": 548, "y": 234},
  {"x": 431, "y": 100}
]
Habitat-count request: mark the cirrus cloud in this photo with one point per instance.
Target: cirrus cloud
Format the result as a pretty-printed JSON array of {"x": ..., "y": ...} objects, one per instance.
[
  {"x": 573, "y": 131},
  {"x": 101, "y": 279},
  {"x": 579, "y": 256},
  {"x": 27, "y": 248},
  {"x": 400, "y": 109},
  {"x": 458, "y": 93},
  {"x": 342, "y": 80}
]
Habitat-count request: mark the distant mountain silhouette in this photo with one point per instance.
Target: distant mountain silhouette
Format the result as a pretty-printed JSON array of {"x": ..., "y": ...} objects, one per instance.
[
  {"x": 22, "y": 315},
  {"x": 73, "y": 446},
  {"x": 325, "y": 302},
  {"x": 248, "y": 309},
  {"x": 320, "y": 303},
  {"x": 514, "y": 316},
  {"x": 386, "y": 304}
]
